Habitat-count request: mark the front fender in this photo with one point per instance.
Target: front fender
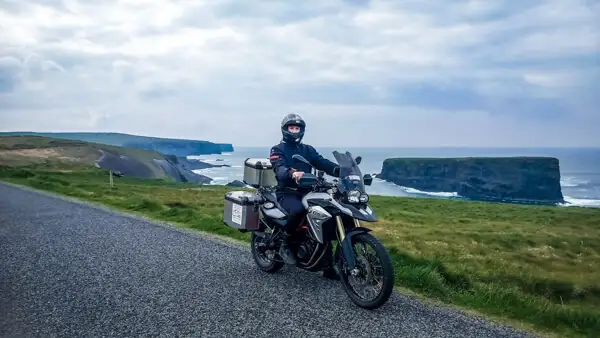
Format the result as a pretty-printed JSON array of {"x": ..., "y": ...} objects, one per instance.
[
  {"x": 365, "y": 213},
  {"x": 347, "y": 250}
]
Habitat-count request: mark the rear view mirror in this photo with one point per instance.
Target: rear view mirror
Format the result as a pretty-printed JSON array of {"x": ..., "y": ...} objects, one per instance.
[
  {"x": 367, "y": 179},
  {"x": 358, "y": 159}
]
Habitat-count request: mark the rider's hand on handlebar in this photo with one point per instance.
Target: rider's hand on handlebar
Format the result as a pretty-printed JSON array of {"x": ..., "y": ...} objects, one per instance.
[{"x": 297, "y": 175}]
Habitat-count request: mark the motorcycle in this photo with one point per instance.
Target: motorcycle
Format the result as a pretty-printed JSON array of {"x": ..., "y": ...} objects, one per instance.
[{"x": 334, "y": 211}]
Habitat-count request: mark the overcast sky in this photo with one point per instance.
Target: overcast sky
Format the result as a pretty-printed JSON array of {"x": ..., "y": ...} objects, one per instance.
[{"x": 362, "y": 73}]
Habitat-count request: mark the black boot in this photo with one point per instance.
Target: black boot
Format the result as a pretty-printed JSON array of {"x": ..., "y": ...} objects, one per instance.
[
  {"x": 331, "y": 273},
  {"x": 286, "y": 253}
]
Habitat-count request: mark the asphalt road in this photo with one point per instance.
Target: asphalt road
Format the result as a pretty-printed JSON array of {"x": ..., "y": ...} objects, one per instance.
[{"x": 72, "y": 270}]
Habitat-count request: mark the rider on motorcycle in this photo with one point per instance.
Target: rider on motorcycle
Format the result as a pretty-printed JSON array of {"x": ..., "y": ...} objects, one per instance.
[{"x": 288, "y": 172}]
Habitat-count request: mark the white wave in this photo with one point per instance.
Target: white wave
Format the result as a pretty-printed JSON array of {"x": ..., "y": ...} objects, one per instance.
[
  {"x": 570, "y": 182},
  {"x": 580, "y": 202},
  {"x": 416, "y": 191},
  {"x": 439, "y": 194},
  {"x": 209, "y": 172}
]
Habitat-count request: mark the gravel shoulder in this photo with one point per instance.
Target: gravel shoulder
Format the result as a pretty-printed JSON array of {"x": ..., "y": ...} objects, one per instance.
[{"x": 71, "y": 269}]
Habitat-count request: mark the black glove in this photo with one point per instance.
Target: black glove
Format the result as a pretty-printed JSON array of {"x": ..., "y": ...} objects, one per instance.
[{"x": 336, "y": 172}]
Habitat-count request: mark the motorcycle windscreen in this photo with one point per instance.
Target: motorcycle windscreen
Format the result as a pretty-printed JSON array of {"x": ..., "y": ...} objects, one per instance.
[{"x": 351, "y": 177}]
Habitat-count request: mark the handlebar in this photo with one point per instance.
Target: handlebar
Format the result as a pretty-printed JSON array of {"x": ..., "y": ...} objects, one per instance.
[
  {"x": 322, "y": 184},
  {"x": 316, "y": 183}
]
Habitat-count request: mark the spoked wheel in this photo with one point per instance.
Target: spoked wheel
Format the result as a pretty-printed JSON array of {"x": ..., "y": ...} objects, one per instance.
[
  {"x": 371, "y": 282},
  {"x": 258, "y": 247}
]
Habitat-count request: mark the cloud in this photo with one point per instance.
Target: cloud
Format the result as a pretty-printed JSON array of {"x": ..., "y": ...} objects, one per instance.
[{"x": 405, "y": 73}]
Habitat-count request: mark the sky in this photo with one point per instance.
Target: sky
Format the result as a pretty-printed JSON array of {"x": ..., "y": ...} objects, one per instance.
[{"x": 429, "y": 73}]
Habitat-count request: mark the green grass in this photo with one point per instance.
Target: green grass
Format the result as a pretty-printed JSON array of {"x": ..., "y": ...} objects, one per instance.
[{"x": 535, "y": 267}]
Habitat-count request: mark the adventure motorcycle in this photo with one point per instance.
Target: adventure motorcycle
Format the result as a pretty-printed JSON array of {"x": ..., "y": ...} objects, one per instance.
[{"x": 333, "y": 214}]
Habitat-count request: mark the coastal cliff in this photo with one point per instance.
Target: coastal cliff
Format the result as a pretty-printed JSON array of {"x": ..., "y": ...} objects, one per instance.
[
  {"x": 177, "y": 147},
  {"x": 507, "y": 179},
  {"x": 28, "y": 150},
  {"x": 180, "y": 148}
]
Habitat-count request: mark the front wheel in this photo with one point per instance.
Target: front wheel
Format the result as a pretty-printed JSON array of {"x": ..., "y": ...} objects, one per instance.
[
  {"x": 258, "y": 248},
  {"x": 370, "y": 284}
]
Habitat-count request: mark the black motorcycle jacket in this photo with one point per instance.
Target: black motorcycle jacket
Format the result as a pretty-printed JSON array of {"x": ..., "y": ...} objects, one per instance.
[{"x": 284, "y": 164}]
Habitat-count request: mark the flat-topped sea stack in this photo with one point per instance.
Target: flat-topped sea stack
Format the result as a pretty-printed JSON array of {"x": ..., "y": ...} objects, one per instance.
[{"x": 532, "y": 180}]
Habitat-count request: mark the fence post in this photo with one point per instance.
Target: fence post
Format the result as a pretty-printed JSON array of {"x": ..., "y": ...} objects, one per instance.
[{"x": 111, "y": 178}]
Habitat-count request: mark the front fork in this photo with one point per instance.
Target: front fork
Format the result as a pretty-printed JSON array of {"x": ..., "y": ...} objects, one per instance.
[
  {"x": 340, "y": 227},
  {"x": 346, "y": 245},
  {"x": 341, "y": 232}
]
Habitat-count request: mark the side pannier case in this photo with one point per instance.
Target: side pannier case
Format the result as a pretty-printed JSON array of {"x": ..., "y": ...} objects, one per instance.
[
  {"x": 241, "y": 210},
  {"x": 258, "y": 172}
]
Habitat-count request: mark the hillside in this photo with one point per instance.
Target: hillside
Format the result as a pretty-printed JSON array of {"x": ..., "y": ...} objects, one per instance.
[
  {"x": 178, "y": 147},
  {"x": 27, "y": 150},
  {"x": 534, "y": 180}
]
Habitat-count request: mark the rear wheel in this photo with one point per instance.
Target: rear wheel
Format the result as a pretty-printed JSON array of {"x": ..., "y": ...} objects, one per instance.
[
  {"x": 370, "y": 284},
  {"x": 258, "y": 246}
]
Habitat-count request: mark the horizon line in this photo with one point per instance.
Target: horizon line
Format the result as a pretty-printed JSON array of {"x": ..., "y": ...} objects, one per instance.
[{"x": 589, "y": 147}]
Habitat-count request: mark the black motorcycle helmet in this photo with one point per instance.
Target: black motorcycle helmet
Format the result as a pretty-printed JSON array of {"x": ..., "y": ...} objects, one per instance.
[{"x": 292, "y": 120}]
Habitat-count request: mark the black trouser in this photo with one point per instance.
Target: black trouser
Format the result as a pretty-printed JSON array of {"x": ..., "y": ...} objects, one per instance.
[{"x": 292, "y": 203}]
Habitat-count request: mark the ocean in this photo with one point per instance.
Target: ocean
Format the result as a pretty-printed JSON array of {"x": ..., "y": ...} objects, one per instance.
[{"x": 579, "y": 167}]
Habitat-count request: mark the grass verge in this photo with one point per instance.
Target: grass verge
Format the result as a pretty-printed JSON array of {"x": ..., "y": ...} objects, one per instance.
[{"x": 533, "y": 266}]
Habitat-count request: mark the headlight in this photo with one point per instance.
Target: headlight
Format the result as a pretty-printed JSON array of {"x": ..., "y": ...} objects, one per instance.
[
  {"x": 364, "y": 198},
  {"x": 353, "y": 196}
]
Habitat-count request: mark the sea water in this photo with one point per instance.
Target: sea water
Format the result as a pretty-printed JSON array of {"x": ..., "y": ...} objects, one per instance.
[{"x": 579, "y": 167}]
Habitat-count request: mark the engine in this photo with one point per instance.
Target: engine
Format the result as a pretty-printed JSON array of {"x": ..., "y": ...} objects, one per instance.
[{"x": 306, "y": 249}]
